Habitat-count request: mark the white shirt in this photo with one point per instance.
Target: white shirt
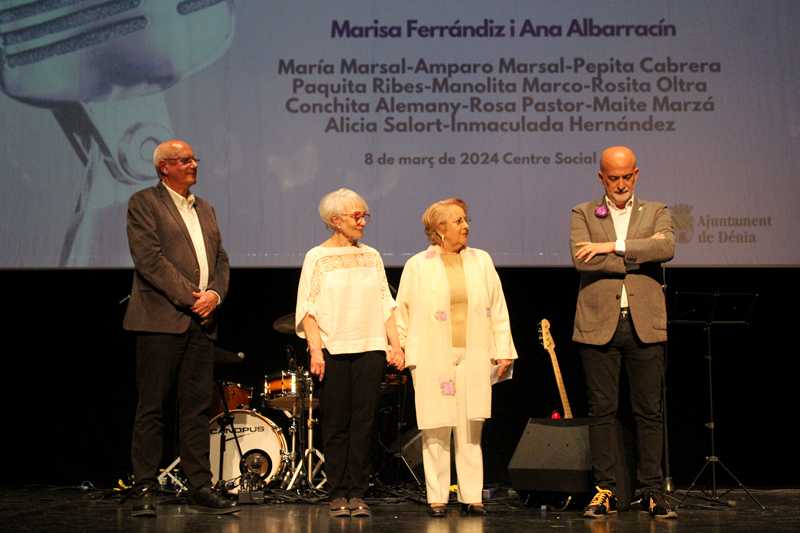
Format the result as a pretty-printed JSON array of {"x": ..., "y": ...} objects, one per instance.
[
  {"x": 345, "y": 289},
  {"x": 189, "y": 215},
  {"x": 621, "y": 219}
]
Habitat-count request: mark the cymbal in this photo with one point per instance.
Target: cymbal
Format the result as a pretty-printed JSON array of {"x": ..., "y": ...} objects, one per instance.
[{"x": 284, "y": 324}]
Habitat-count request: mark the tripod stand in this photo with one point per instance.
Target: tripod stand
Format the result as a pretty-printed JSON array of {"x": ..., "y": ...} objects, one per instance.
[
  {"x": 707, "y": 309},
  {"x": 308, "y": 466}
]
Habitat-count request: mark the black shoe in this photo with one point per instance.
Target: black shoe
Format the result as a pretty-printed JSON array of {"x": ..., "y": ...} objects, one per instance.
[
  {"x": 144, "y": 501},
  {"x": 603, "y": 504},
  {"x": 473, "y": 509},
  {"x": 212, "y": 501},
  {"x": 655, "y": 503},
  {"x": 437, "y": 511}
]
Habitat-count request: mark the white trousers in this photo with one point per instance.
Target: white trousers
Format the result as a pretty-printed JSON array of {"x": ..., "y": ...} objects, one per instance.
[{"x": 469, "y": 458}]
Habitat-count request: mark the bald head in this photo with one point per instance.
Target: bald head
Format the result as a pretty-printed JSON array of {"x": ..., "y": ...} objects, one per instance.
[
  {"x": 618, "y": 174},
  {"x": 617, "y": 156}
]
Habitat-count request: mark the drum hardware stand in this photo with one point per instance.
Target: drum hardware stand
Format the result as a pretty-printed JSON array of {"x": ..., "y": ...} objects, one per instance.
[
  {"x": 290, "y": 457},
  {"x": 712, "y": 459},
  {"x": 309, "y": 466},
  {"x": 167, "y": 474}
]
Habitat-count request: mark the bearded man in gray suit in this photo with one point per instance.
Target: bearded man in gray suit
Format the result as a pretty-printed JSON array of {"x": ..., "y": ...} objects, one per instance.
[
  {"x": 618, "y": 245},
  {"x": 180, "y": 278}
]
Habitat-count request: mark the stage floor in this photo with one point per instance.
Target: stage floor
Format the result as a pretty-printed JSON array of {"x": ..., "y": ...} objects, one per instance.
[{"x": 47, "y": 509}]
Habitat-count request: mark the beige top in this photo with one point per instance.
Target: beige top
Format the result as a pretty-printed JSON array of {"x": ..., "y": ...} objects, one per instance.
[
  {"x": 458, "y": 298},
  {"x": 424, "y": 324}
]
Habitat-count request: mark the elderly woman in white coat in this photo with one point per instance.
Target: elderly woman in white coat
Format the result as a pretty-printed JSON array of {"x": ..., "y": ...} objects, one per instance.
[{"x": 453, "y": 321}]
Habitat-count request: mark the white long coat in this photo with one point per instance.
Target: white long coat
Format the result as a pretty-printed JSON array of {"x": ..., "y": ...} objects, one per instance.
[{"x": 423, "y": 322}]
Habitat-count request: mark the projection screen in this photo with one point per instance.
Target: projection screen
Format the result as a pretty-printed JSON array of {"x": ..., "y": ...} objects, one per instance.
[{"x": 505, "y": 104}]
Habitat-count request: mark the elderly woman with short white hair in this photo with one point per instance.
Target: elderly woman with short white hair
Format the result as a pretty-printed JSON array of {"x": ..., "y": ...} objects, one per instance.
[
  {"x": 346, "y": 314},
  {"x": 454, "y": 325}
]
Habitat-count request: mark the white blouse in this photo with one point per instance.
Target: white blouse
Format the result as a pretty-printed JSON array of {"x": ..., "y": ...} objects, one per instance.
[{"x": 345, "y": 290}]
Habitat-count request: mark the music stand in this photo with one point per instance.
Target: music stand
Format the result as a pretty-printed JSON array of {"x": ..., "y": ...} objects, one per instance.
[{"x": 707, "y": 309}]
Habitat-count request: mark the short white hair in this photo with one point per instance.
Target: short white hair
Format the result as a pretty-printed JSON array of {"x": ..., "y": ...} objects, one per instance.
[
  {"x": 165, "y": 150},
  {"x": 335, "y": 203}
]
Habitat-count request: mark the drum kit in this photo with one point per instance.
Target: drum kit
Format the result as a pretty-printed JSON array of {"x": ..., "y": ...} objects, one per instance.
[
  {"x": 249, "y": 451},
  {"x": 262, "y": 438}
]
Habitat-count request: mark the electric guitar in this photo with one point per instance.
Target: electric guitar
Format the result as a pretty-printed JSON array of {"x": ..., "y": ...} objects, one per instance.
[{"x": 548, "y": 344}]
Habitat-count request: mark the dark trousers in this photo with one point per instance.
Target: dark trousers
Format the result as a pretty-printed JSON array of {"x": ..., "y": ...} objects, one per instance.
[
  {"x": 644, "y": 364},
  {"x": 185, "y": 362},
  {"x": 348, "y": 401}
]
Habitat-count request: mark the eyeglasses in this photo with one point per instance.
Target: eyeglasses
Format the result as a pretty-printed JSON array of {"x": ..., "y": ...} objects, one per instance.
[
  {"x": 358, "y": 216},
  {"x": 183, "y": 160},
  {"x": 462, "y": 220}
]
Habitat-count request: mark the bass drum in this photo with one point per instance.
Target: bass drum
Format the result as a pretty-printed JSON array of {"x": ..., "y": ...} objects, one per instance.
[{"x": 263, "y": 446}]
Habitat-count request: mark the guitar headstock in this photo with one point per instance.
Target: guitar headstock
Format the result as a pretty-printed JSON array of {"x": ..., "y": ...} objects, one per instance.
[{"x": 544, "y": 335}]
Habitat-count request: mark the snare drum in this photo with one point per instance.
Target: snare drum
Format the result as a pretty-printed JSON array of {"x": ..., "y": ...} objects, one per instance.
[
  {"x": 281, "y": 383},
  {"x": 284, "y": 389},
  {"x": 264, "y": 449}
]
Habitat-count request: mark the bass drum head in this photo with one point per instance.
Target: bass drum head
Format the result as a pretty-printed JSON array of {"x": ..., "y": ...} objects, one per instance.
[{"x": 263, "y": 448}]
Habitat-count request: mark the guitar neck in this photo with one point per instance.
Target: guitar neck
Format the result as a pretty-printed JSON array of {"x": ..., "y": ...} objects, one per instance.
[{"x": 562, "y": 391}]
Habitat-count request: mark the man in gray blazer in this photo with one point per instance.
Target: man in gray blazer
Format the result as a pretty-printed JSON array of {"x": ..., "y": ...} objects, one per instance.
[
  {"x": 180, "y": 278},
  {"x": 618, "y": 244}
]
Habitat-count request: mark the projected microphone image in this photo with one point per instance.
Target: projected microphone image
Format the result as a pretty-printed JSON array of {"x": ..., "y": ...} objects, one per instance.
[{"x": 101, "y": 68}]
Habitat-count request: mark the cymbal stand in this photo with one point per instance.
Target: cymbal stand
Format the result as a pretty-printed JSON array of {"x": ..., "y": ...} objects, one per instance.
[
  {"x": 310, "y": 464},
  {"x": 313, "y": 454}
]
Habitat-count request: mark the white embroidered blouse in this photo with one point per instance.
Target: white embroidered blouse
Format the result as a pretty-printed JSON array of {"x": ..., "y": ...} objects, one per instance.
[{"x": 345, "y": 290}]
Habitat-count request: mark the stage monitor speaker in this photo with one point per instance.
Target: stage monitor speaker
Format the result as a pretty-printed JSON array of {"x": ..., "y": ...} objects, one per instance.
[{"x": 553, "y": 456}]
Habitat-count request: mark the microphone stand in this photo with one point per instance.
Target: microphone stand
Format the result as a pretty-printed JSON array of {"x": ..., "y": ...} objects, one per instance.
[
  {"x": 226, "y": 420},
  {"x": 669, "y": 487}
]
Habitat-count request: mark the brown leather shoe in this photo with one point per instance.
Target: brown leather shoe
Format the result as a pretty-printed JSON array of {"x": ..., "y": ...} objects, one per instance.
[
  {"x": 473, "y": 509},
  {"x": 358, "y": 507},
  {"x": 437, "y": 511},
  {"x": 339, "y": 507}
]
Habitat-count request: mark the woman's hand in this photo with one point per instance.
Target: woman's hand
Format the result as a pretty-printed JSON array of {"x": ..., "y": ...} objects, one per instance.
[
  {"x": 317, "y": 363},
  {"x": 396, "y": 357},
  {"x": 504, "y": 366}
]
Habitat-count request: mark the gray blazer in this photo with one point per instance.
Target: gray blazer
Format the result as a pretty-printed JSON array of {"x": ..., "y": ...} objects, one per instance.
[
  {"x": 597, "y": 311},
  {"x": 166, "y": 271}
]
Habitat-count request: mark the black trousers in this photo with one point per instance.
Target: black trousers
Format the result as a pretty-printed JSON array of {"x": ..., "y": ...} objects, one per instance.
[
  {"x": 644, "y": 364},
  {"x": 348, "y": 401},
  {"x": 186, "y": 362}
]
